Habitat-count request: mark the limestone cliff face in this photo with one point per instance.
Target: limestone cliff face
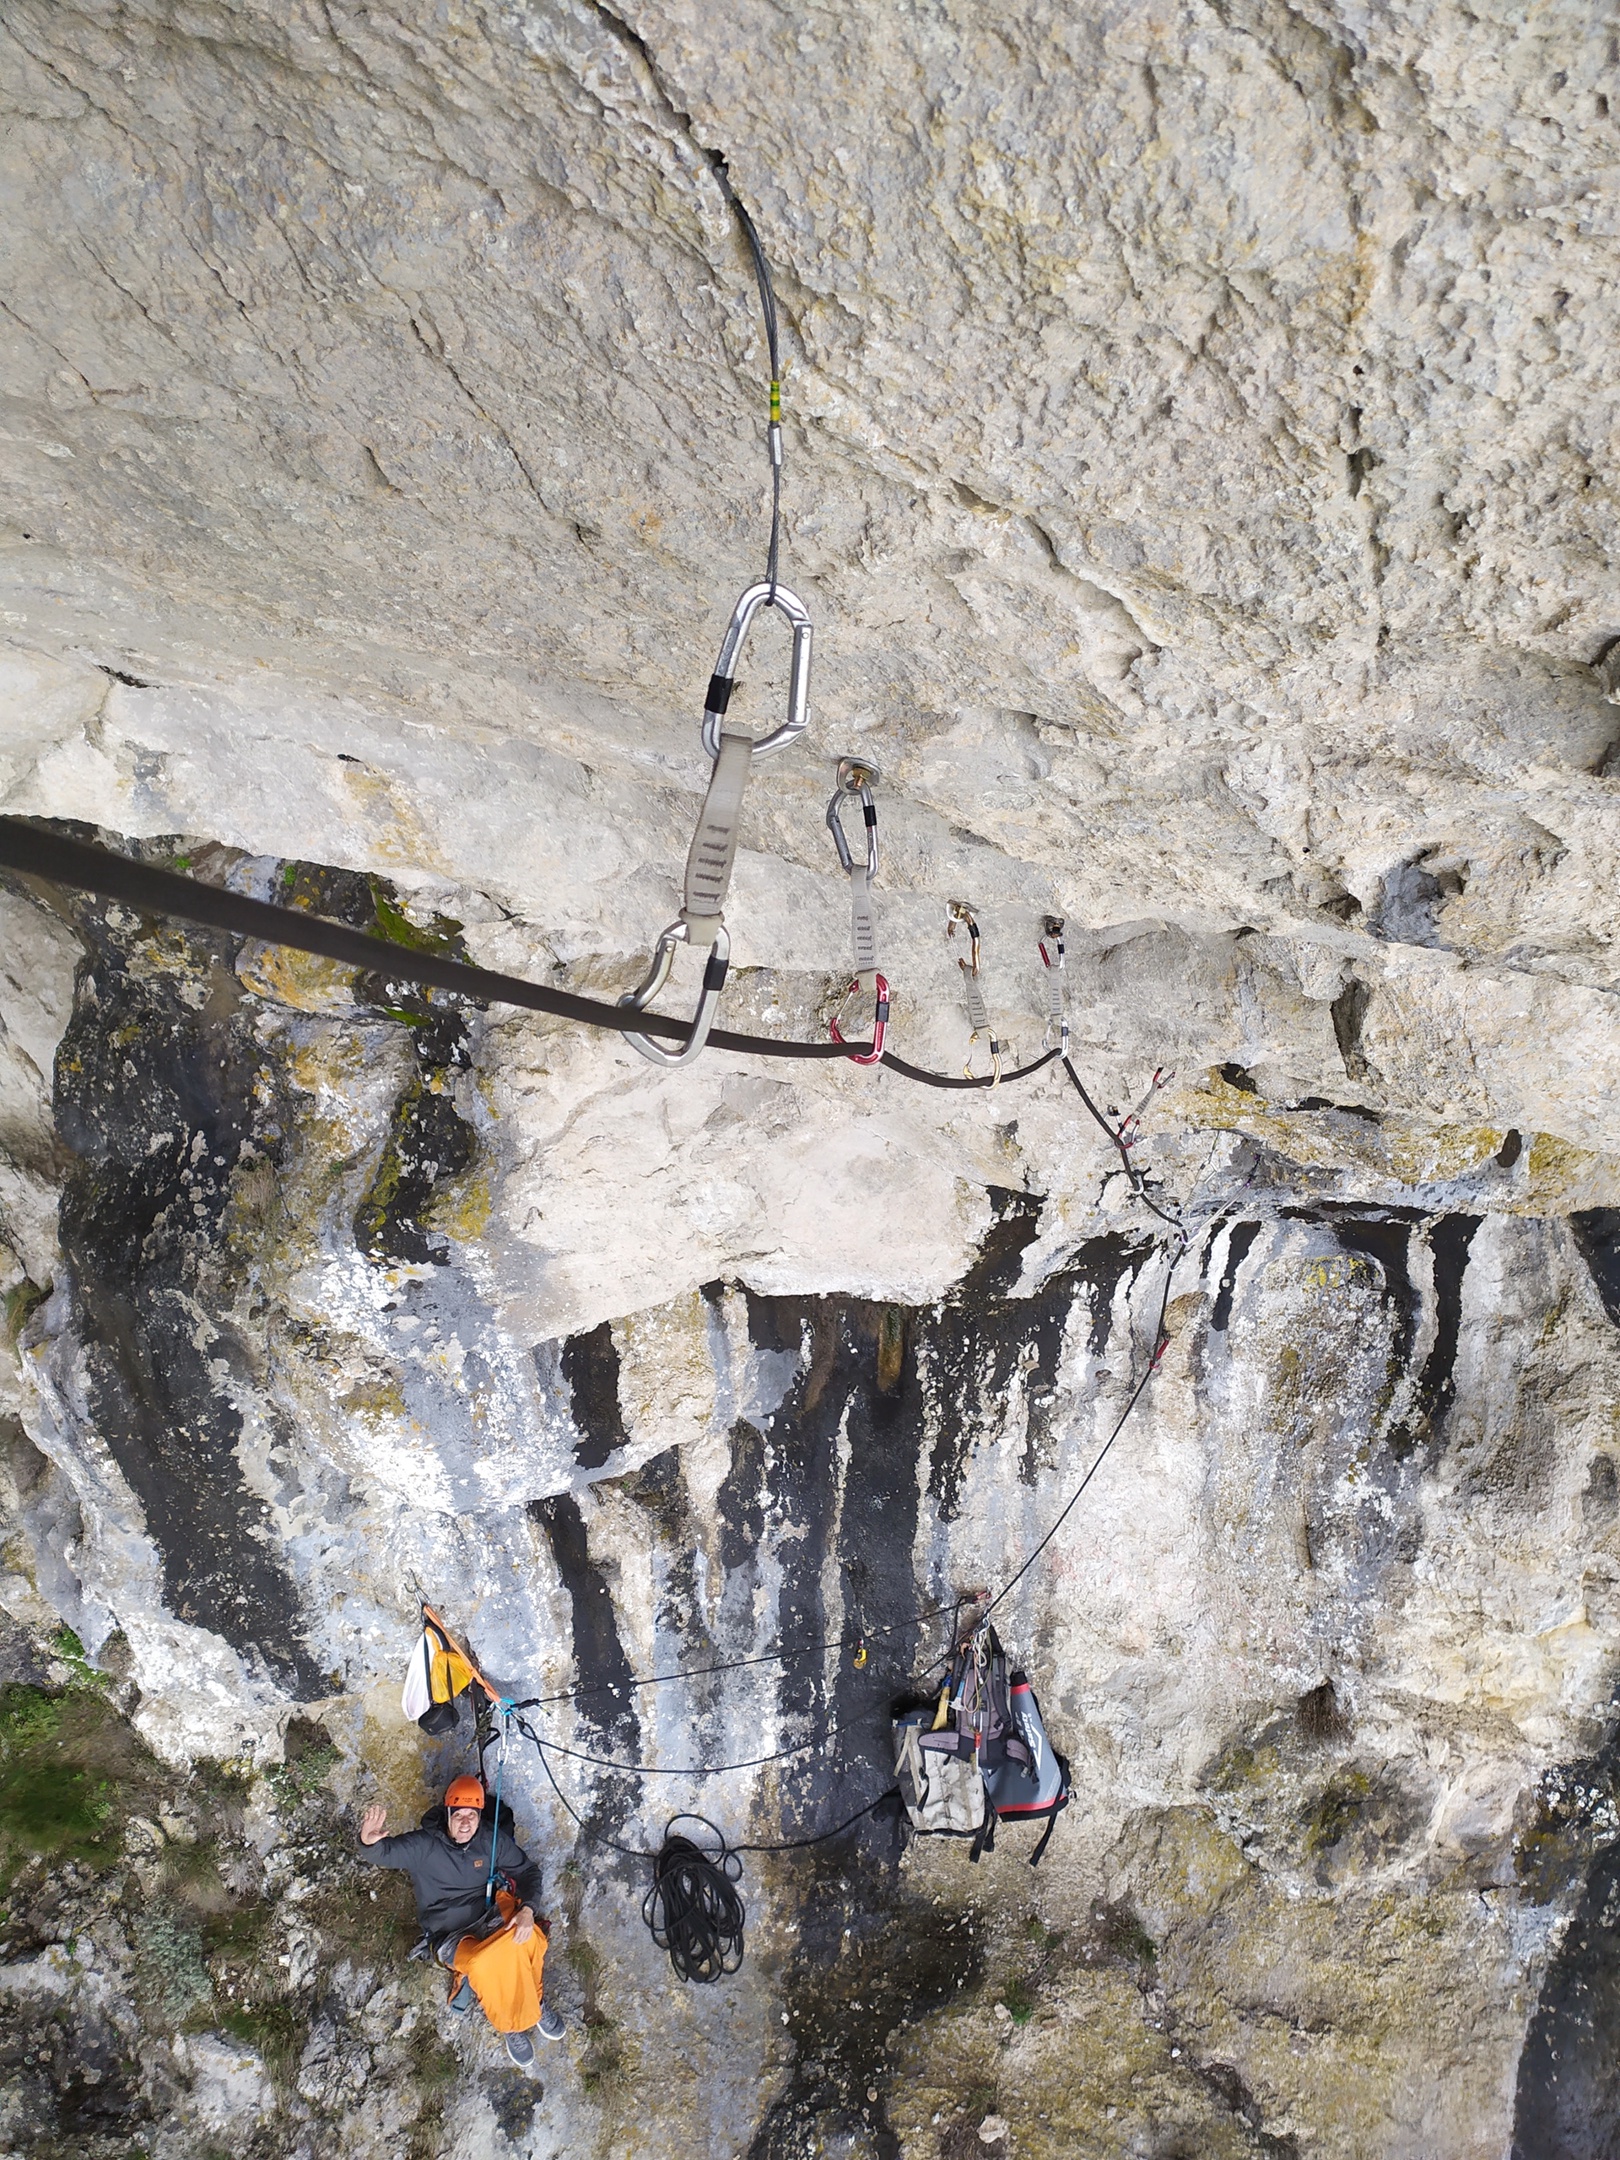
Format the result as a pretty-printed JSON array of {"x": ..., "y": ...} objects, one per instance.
[{"x": 1199, "y": 429}]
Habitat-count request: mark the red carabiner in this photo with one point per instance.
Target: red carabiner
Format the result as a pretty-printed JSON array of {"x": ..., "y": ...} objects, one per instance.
[{"x": 880, "y": 1021}]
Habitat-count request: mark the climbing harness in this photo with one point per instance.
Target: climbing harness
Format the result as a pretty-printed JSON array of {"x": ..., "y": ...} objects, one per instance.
[
  {"x": 1052, "y": 958},
  {"x": 973, "y": 990},
  {"x": 856, "y": 780}
]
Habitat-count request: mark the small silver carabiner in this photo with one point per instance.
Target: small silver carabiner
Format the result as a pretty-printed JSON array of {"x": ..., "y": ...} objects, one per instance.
[
  {"x": 723, "y": 680},
  {"x": 979, "y": 1021},
  {"x": 1051, "y": 951},
  {"x": 856, "y": 779},
  {"x": 714, "y": 981}
]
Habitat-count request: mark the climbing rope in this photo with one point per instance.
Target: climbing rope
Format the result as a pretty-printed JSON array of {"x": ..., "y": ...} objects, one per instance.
[
  {"x": 33, "y": 851},
  {"x": 500, "y": 1773},
  {"x": 693, "y": 1908}
]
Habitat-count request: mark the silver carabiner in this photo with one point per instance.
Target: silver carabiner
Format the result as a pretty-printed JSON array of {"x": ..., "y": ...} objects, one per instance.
[
  {"x": 855, "y": 778},
  {"x": 1052, "y": 959},
  {"x": 722, "y": 681},
  {"x": 979, "y": 1021},
  {"x": 714, "y": 981}
]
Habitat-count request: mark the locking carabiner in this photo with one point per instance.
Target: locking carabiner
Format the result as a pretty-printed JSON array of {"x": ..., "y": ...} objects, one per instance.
[
  {"x": 714, "y": 844},
  {"x": 880, "y": 1020},
  {"x": 973, "y": 991},
  {"x": 723, "y": 681},
  {"x": 714, "y": 981},
  {"x": 855, "y": 778},
  {"x": 1057, "y": 1012}
]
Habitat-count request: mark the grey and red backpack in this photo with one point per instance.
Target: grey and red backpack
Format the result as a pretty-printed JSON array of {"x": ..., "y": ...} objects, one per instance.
[{"x": 980, "y": 1753}]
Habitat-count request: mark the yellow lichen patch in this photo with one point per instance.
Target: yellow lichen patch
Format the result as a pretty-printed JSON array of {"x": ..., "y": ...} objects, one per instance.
[
  {"x": 379, "y": 1395},
  {"x": 1407, "y": 1150},
  {"x": 1088, "y": 2072},
  {"x": 1302, "y": 1136},
  {"x": 302, "y": 980},
  {"x": 461, "y": 1208},
  {"x": 1563, "y": 1176},
  {"x": 396, "y": 835},
  {"x": 1434, "y": 1154}
]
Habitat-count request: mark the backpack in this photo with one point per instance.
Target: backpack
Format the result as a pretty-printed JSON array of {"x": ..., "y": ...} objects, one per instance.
[
  {"x": 941, "y": 1784},
  {"x": 981, "y": 1702},
  {"x": 436, "y": 1675},
  {"x": 1031, "y": 1783},
  {"x": 981, "y": 1755}
]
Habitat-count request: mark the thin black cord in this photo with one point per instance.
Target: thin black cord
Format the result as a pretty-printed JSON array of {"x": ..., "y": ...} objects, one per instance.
[
  {"x": 636, "y": 1852},
  {"x": 767, "y": 302},
  {"x": 703, "y": 1770},
  {"x": 1137, "y": 1182},
  {"x": 1160, "y": 1340}
]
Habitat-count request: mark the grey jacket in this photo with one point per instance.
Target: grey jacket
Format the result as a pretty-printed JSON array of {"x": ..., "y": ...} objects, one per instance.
[{"x": 448, "y": 1878}]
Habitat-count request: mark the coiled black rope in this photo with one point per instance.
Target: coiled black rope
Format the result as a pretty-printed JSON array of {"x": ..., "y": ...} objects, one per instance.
[{"x": 693, "y": 1908}]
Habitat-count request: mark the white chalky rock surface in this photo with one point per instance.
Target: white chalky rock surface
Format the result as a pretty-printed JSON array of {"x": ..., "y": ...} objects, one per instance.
[{"x": 1200, "y": 448}]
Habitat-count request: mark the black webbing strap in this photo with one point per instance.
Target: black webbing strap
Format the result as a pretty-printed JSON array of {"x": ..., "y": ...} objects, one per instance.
[{"x": 34, "y": 851}]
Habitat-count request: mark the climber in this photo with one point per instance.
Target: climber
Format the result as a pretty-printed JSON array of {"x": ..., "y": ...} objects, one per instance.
[{"x": 468, "y": 1903}]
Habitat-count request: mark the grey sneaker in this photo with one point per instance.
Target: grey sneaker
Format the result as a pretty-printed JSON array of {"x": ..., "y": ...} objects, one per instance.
[
  {"x": 521, "y": 2049},
  {"x": 462, "y": 2000},
  {"x": 551, "y": 2025}
]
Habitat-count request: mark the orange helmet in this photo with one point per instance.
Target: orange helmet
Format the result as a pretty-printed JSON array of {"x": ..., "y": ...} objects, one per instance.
[{"x": 464, "y": 1792}]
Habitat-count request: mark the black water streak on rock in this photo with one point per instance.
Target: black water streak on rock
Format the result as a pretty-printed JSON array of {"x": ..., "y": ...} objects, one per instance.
[
  {"x": 1597, "y": 1236},
  {"x": 161, "y": 1106},
  {"x": 1385, "y": 1239},
  {"x": 874, "y": 1527},
  {"x": 1238, "y": 1246},
  {"x": 845, "y": 1992},
  {"x": 606, "y": 1697},
  {"x": 429, "y": 1141},
  {"x": 740, "y": 1504},
  {"x": 1567, "y": 2102},
  {"x": 1436, "y": 1387},
  {"x": 659, "y": 1488},
  {"x": 973, "y": 1343},
  {"x": 590, "y": 1365}
]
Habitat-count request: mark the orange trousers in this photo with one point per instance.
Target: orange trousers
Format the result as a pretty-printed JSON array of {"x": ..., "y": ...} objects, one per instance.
[{"x": 504, "y": 1973}]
